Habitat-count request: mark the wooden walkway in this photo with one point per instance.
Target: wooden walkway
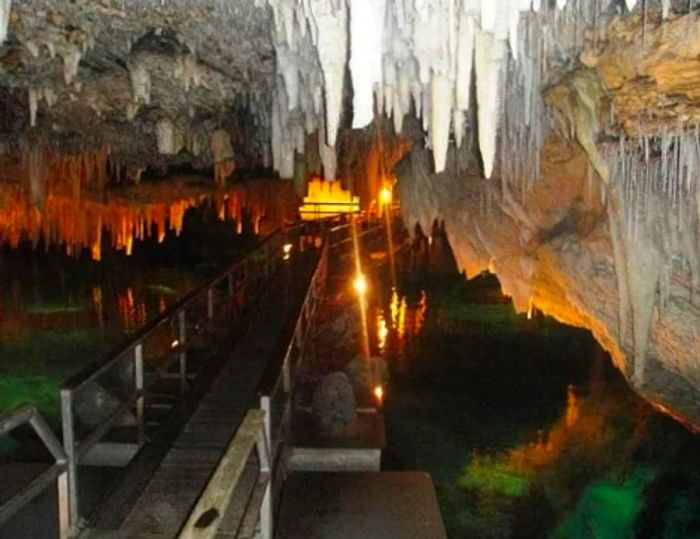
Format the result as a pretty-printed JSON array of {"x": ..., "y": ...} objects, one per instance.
[
  {"x": 368, "y": 505},
  {"x": 163, "y": 507}
]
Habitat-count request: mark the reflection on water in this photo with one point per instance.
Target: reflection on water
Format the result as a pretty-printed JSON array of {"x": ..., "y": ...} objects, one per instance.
[
  {"x": 79, "y": 219},
  {"x": 60, "y": 310},
  {"x": 524, "y": 424}
]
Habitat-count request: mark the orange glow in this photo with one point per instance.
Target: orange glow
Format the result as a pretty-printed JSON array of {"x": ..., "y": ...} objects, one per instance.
[
  {"x": 382, "y": 332},
  {"x": 380, "y": 160},
  {"x": 379, "y": 393},
  {"x": 131, "y": 311},
  {"x": 64, "y": 200},
  {"x": 327, "y": 198},
  {"x": 385, "y": 197},
  {"x": 360, "y": 285}
]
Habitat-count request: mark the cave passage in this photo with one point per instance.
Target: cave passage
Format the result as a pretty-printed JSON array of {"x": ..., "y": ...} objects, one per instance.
[{"x": 525, "y": 425}]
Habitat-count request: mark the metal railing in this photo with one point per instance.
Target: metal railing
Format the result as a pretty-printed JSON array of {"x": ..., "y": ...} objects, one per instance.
[
  {"x": 118, "y": 384},
  {"x": 270, "y": 425},
  {"x": 123, "y": 378},
  {"x": 276, "y": 400},
  {"x": 58, "y": 471}
]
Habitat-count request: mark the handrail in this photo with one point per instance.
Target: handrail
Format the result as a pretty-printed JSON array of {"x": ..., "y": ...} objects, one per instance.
[
  {"x": 57, "y": 472},
  {"x": 205, "y": 518},
  {"x": 254, "y": 269},
  {"x": 94, "y": 369},
  {"x": 261, "y": 427}
]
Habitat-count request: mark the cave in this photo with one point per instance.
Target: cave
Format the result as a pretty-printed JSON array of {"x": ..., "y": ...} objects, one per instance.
[{"x": 532, "y": 304}]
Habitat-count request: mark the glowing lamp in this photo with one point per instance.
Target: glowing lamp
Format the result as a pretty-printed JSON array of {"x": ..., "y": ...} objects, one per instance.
[
  {"x": 379, "y": 393},
  {"x": 360, "y": 284},
  {"x": 287, "y": 248},
  {"x": 385, "y": 196},
  {"x": 175, "y": 344}
]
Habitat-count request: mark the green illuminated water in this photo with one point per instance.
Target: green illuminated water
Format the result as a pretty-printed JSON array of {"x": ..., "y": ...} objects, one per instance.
[{"x": 525, "y": 426}]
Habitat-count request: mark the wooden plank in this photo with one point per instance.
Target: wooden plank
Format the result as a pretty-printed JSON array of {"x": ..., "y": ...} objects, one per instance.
[{"x": 212, "y": 504}]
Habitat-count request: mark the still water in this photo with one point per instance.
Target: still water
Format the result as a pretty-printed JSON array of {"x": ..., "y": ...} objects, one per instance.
[
  {"x": 59, "y": 313},
  {"x": 526, "y": 427}
]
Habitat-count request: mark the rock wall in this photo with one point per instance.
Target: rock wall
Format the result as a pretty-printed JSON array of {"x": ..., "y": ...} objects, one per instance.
[{"x": 552, "y": 249}]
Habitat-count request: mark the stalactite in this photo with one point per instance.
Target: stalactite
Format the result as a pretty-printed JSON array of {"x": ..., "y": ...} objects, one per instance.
[
  {"x": 490, "y": 54},
  {"x": 5, "y": 8},
  {"x": 328, "y": 158},
  {"x": 168, "y": 137},
  {"x": 366, "y": 35},
  {"x": 33, "y": 97},
  {"x": 140, "y": 81},
  {"x": 403, "y": 51},
  {"x": 329, "y": 26},
  {"x": 46, "y": 205},
  {"x": 38, "y": 177},
  {"x": 71, "y": 62},
  {"x": 221, "y": 149}
]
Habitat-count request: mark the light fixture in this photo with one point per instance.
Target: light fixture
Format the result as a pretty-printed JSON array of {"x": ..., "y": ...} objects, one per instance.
[
  {"x": 287, "y": 251},
  {"x": 360, "y": 284},
  {"x": 379, "y": 393},
  {"x": 385, "y": 196}
]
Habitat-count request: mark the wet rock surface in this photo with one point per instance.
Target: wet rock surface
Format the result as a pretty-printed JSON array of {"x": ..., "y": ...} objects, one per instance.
[{"x": 334, "y": 404}]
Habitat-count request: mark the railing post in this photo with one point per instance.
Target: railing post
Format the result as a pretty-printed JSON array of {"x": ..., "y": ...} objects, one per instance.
[
  {"x": 64, "y": 529},
  {"x": 69, "y": 446},
  {"x": 182, "y": 339},
  {"x": 210, "y": 303},
  {"x": 266, "y": 455},
  {"x": 286, "y": 374},
  {"x": 138, "y": 386}
]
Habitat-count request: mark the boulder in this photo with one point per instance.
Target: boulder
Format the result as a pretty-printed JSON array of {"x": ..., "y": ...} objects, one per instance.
[
  {"x": 365, "y": 373},
  {"x": 334, "y": 403}
]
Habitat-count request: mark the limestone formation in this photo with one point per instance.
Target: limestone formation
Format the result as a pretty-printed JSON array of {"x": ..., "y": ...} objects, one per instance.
[
  {"x": 558, "y": 141},
  {"x": 334, "y": 404}
]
